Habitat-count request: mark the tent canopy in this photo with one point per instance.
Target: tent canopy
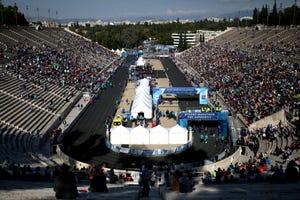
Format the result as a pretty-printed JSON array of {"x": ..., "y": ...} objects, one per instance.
[
  {"x": 140, "y": 61},
  {"x": 139, "y": 135},
  {"x": 158, "y": 130},
  {"x": 177, "y": 135},
  {"x": 142, "y": 102},
  {"x": 120, "y": 135},
  {"x": 177, "y": 129}
]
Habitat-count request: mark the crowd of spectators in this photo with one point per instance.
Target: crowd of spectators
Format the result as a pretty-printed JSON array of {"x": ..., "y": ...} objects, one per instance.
[
  {"x": 74, "y": 62},
  {"x": 270, "y": 134},
  {"x": 261, "y": 167},
  {"x": 265, "y": 165},
  {"x": 256, "y": 169},
  {"x": 254, "y": 82},
  {"x": 71, "y": 62},
  {"x": 11, "y": 170}
]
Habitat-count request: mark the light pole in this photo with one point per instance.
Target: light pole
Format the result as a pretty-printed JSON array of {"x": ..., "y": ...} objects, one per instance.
[
  {"x": 279, "y": 14},
  {"x": 257, "y": 17},
  {"x": 16, "y": 13},
  {"x": 295, "y": 5},
  {"x": 27, "y": 12},
  {"x": 2, "y": 18},
  {"x": 267, "y": 15},
  {"x": 38, "y": 14}
]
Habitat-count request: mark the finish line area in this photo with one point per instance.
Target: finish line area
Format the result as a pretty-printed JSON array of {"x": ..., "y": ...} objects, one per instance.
[{"x": 158, "y": 126}]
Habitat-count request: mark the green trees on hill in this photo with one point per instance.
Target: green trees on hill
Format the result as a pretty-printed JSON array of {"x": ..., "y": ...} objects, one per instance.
[
  {"x": 132, "y": 36},
  {"x": 277, "y": 16},
  {"x": 10, "y": 15}
]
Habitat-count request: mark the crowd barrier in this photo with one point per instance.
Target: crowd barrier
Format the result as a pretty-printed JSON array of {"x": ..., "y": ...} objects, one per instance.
[{"x": 148, "y": 152}]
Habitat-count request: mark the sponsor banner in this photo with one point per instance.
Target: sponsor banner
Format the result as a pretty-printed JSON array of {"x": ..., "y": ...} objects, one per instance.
[
  {"x": 203, "y": 96},
  {"x": 211, "y": 116},
  {"x": 203, "y": 93},
  {"x": 182, "y": 90}
]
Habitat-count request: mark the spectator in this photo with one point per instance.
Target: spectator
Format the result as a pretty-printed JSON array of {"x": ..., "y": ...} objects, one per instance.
[
  {"x": 186, "y": 182},
  {"x": 153, "y": 179},
  {"x": 97, "y": 179},
  {"x": 65, "y": 185},
  {"x": 145, "y": 186}
]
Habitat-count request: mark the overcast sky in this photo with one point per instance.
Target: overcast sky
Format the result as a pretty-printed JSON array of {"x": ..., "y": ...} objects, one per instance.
[{"x": 128, "y": 9}]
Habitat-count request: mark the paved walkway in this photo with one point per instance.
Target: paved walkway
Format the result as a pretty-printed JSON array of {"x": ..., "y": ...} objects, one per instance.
[
  {"x": 29, "y": 190},
  {"x": 238, "y": 191},
  {"x": 15, "y": 190},
  {"x": 70, "y": 119},
  {"x": 129, "y": 94}
]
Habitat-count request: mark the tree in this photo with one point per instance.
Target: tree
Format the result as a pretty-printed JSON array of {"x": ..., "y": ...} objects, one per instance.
[
  {"x": 255, "y": 15},
  {"x": 1, "y": 13},
  {"x": 273, "y": 19},
  {"x": 10, "y": 15},
  {"x": 180, "y": 44},
  {"x": 165, "y": 39},
  {"x": 185, "y": 45},
  {"x": 291, "y": 15},
  {"x": 263, "y": 15}
]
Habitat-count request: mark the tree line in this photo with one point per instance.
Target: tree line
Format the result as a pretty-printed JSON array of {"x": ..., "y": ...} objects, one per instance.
[
  {"x": 10, "y": 15},
  {"x": 132, "y": 36},
  {"x": 277, "y": 16}
]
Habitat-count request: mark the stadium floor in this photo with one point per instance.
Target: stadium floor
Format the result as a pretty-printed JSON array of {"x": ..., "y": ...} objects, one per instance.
[{"x": 85, "y": 140}]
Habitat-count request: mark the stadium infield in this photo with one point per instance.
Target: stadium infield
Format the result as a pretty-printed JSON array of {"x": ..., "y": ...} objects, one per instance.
[{"x": 85, "y": 140}]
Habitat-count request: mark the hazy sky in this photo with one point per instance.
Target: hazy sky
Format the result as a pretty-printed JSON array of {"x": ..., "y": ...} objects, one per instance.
[{"x": 127, "y": 9}]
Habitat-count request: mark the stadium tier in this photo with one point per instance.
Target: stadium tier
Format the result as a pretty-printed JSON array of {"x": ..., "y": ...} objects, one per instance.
[{"x": 48, "y": 75}]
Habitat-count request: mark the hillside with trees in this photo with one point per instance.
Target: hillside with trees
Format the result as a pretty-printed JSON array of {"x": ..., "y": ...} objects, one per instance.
[{"x": 10, "y": 15}]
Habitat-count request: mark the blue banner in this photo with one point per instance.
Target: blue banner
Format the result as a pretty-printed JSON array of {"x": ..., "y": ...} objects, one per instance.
[
  {"x": 222, "y": 117},
  {"x": 156, "y": 94},
  {"x": 180, "y": 90},
  {"x": 210, "y": 116},
  {"x": 177, "y": 90},
  {"x": 203, "y": 96}
]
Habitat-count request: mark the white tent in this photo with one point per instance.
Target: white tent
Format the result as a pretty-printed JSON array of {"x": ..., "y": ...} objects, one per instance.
[
  {"x": 141, "y": 108},
  {"x": 139, "y": 135},
  {"x": 142, "y": 92},
  {"x": 159, "y": 135},
  {"x": 142, "y": 102},
  {"x": 119, "y": 135},
  {"x": 142, "y": 98},
  {"x": 144, "y": 82},
  {"x": 140, "y": 61},
  {"x": 178, "y": 135},
  {"x": 118, "y": 52}
]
